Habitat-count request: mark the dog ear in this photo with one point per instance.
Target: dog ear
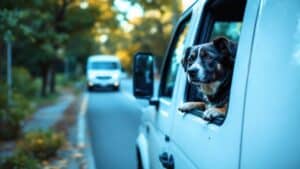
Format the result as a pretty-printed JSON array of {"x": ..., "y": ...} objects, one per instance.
[
  {"x": 225, "y": 46},
  {"x": 187, "y": 52},
  {"x": 221, "y": 43}
]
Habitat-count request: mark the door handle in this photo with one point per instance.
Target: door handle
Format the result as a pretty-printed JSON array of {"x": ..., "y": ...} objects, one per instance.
[{"x": 166, "y": 160}]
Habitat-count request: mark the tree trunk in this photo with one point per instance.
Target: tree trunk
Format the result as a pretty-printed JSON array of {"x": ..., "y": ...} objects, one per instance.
[
  {"x": 66, "y": 69},
  {"x": 1, "y": 61},
  {"x": 52, "y": 79},
  {"x": 44, "y": 74},
  {"x": 9, "y": 72}
]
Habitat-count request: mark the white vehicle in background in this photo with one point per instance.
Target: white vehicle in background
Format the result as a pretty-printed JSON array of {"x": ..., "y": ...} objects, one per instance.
[{"x": 103, "y": 71}]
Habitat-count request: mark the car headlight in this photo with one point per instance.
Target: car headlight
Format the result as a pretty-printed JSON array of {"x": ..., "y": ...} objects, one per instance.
[
  {"x": 115, "y": 76},
  {"x": 92, "y": 76}
]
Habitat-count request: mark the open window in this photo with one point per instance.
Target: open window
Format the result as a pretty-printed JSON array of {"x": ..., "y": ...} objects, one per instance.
[
  {"x": 220, "y": 18},
  {"x": 173, "y": 58}
]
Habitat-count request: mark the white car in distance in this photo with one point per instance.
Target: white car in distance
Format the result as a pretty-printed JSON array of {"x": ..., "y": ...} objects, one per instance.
[{"x": 103, "y": 71}]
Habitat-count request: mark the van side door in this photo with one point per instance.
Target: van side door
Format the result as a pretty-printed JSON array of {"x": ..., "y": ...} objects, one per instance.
[
  {"x": 162, "y": 122},
  {"x": 194, "y": 141}
]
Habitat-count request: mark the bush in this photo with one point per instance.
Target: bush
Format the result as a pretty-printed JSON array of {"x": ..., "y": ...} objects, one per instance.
[
  {"x": 20, "y": 160},
  {"x": 10, "y": 126},
  {"x": 3, "y": 95},
  {"x": 23, "y": 83},
  {"x": 12, "y": 115},
  {"x": 42, "y": 144}
]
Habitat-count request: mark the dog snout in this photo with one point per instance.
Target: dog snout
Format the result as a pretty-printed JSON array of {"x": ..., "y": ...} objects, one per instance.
[{"x": 193, "y": 72}]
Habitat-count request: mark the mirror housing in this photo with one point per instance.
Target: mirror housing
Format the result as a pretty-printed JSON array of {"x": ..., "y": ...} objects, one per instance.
[{"x": 143, "y": 75}]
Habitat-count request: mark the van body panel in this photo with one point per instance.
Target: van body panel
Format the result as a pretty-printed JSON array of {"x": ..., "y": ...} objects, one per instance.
[
  {"x": 262, "y": 123},
  {"x": 159, "y": 128},
  {"x": 142, "y": 144},
  {"x": 161, "y": 119},
  {"x": 271, "y": 129},
  {"x": 208, "y": 145}
]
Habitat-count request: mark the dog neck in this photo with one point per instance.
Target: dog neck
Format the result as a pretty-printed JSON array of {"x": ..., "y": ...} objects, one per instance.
[
  {"x": 217, "y": 93},
  {"x": 209, "y": 88}
]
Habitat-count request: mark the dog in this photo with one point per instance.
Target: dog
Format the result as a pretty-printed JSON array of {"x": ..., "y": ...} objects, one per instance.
[{"x": 209, "y": 67}]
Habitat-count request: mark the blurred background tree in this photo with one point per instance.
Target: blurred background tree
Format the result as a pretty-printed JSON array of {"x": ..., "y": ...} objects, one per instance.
[
  {"x": 53, "y": 36},
  {"x": 144, "y": 26},
  {"x": 44, "y": 33}
]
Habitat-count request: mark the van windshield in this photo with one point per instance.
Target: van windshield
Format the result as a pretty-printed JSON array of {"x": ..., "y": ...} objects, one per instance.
[{"x": 104, "y": 65}]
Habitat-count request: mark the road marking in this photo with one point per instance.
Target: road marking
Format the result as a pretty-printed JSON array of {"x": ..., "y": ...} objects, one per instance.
[
  {"x": 82, "y": 141},
  {"x": 81, "y": 122}
]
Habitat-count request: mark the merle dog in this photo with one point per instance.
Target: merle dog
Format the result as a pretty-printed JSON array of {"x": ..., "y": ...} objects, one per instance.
[{"x": 209, "y": 66}]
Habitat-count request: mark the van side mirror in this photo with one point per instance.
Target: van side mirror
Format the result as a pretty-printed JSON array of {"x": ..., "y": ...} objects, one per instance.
[{"x": 143, "y": 75}]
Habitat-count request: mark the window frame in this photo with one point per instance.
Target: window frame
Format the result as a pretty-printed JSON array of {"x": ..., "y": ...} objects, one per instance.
[
  {"x": 203, "y": 34},
  {"x": 179, "y": 28}
]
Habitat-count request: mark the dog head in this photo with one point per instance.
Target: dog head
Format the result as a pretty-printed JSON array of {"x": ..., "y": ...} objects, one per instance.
[{"x": 209, "y": 62}]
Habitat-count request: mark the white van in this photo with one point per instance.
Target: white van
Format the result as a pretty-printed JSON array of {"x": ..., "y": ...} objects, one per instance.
[
  {"x": 103, "y": 71},
  {"x": 261, "y": 129}
]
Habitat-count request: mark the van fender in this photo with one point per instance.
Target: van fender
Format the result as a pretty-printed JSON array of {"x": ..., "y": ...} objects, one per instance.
[{"x": 142, "y": 145}]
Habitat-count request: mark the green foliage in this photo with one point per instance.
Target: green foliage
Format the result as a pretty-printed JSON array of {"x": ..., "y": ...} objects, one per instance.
[
  {"x": 3, "y": 95},
  {"x": 9, "y": 125},
  {"x": 44, "y": 32},
  {"x": 12, "y": 25},
  {"x": 42, "y": 144},
  {"x": 20, "y": 160},
  {"x": 11, "y": 116},
  {"x": 24, "y": 83},
  {"x": 19, "y": 109},
  {"x": 81, "y": 45},
  {"x": 78, "y": 19}
]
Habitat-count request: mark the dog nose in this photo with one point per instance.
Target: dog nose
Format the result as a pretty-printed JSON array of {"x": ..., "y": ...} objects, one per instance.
[{"x": 193, "y": 72}]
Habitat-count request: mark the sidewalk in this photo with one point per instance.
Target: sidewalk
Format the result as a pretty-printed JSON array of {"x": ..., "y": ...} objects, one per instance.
[
  {"x": 45, "y": 118},
  {"x": 62, "y": 116}
]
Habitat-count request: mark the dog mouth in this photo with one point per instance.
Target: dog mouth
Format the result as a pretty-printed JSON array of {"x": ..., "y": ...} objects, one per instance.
[{"x": 197, "y": 81}]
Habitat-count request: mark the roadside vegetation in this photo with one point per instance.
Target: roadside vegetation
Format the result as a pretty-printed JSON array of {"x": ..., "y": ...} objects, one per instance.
[
  {"x": 21, "y": 160},
  {"x": 41, "y": 144}
]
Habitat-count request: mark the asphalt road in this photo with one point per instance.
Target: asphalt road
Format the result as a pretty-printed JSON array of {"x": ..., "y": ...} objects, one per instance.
[{"x": 113, "y": 119}]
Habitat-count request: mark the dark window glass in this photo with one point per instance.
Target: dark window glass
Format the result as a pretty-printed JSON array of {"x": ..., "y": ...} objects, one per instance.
[{"x": 104, "y": 65}]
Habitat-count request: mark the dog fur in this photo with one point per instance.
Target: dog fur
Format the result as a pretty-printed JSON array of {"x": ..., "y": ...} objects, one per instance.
[{"x": 209, "y": 67}]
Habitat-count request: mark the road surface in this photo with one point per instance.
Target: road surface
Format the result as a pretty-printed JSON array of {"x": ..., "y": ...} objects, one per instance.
[{"x": 113, "y": 119}]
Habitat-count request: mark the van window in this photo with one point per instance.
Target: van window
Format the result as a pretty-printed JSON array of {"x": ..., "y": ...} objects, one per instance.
[
  {"x": 231, "y": 30},
  {"x": 104, "y": 65},
  {"x": 217, "y": 21},
  {"x": 173, "y": 60}
]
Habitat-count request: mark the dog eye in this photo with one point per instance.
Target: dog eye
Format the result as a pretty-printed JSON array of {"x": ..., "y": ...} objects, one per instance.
[
  {"x": 203, "y": 54},
  {"x": 206, "y": 56},
  {"x": 192, "y": 57}
]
